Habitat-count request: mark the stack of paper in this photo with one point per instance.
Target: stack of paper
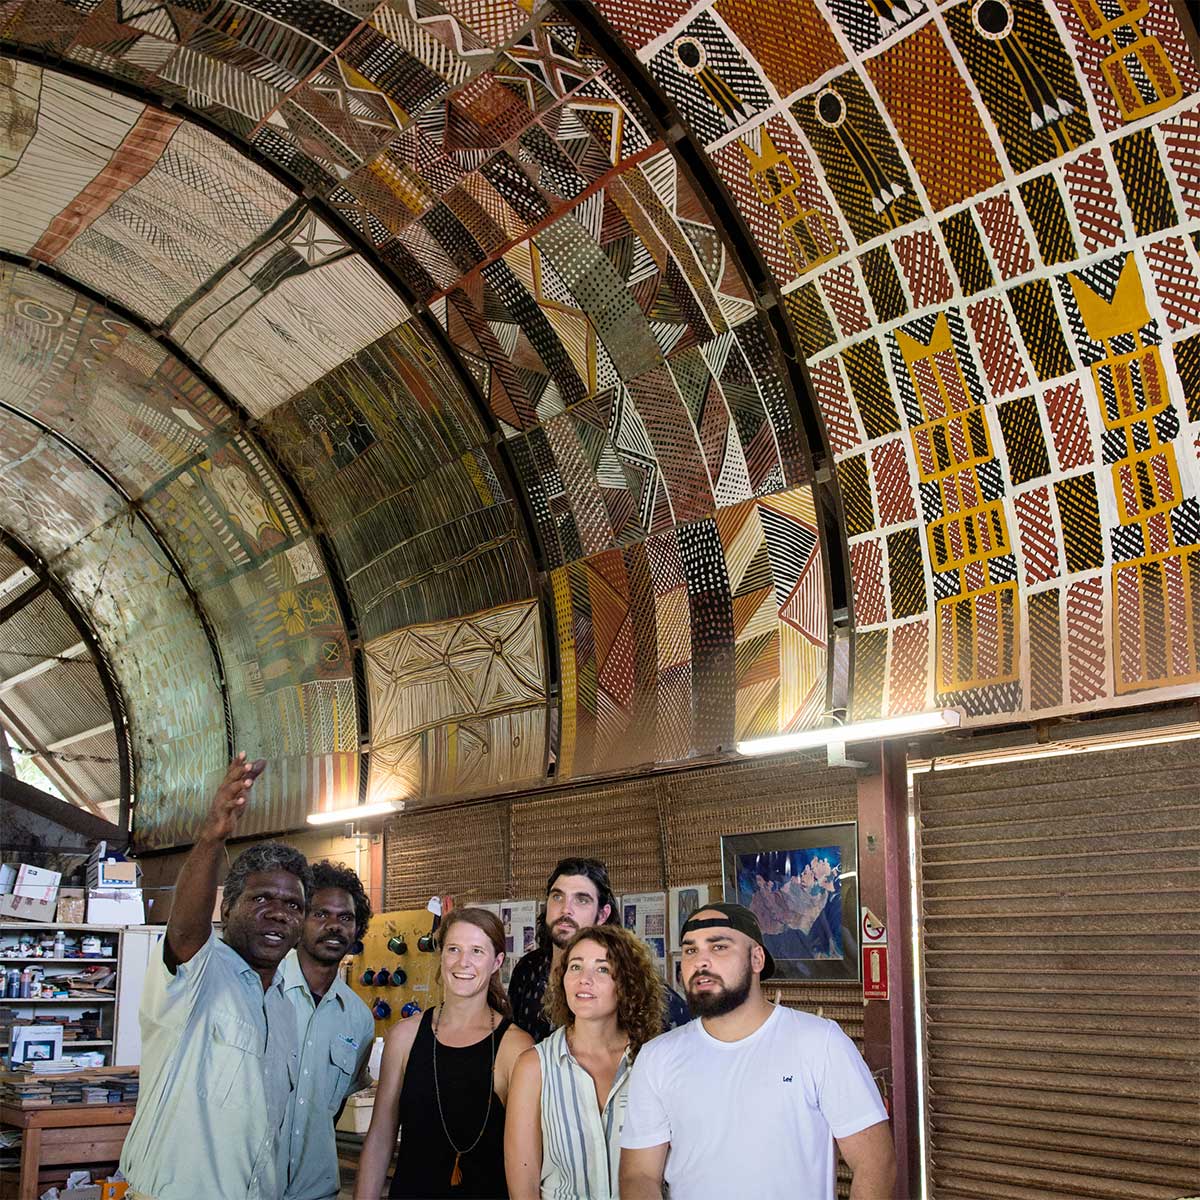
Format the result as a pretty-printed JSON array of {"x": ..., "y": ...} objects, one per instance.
[{"x": 53, "y": 1066}]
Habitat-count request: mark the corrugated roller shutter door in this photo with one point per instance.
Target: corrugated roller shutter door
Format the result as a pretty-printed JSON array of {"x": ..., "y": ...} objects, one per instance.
[{"x": 1061, "y": 970}]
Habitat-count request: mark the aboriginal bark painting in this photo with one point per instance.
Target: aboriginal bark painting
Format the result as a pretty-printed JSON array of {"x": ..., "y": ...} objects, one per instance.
[{"x": 427, "y": 370}]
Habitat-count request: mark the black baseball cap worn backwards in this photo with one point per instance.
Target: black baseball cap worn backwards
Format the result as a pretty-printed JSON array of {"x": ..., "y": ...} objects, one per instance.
[{"x": 733, "y": 916}]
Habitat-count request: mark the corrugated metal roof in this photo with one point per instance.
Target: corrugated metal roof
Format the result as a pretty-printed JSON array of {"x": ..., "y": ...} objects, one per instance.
[{"x": 53, "y": 700}]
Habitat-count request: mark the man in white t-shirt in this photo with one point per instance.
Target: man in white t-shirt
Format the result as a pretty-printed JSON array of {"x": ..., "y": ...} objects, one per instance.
[{"x": 749, "y": 1100}]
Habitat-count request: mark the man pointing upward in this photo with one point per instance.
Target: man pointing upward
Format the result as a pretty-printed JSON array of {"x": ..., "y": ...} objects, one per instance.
[{"x": 218, "y": 1035}]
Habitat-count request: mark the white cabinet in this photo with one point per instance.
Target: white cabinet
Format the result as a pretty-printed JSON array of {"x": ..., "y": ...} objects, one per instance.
[{"x": 140, "y": 942}]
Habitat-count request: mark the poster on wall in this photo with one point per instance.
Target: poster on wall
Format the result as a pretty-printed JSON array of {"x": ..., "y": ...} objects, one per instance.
[
  {"x": 519, "y": 918},
  {"x": 802, "y": 885},
  {"x": 684, "y": 901},
  {"x": 645, "y": 913}
]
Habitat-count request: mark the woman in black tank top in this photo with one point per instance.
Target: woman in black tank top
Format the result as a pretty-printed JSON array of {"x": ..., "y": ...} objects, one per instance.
[{"x": 444, "y": 1078}]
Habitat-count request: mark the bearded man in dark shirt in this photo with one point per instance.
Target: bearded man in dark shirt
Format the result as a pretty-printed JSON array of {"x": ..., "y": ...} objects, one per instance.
[{"x": 578, "y": 895}]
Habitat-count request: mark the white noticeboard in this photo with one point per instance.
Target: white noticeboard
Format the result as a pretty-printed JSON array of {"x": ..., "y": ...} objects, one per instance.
[
  {"x": 520, "y": 933},
  {"x": 645, "y": 913}
]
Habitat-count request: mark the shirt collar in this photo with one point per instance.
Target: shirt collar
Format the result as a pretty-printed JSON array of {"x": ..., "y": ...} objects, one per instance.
[
  {"x": 245, "y": 969},
  {"x": 562, "y": 1050},
  {"x": 292, "y": 974}
]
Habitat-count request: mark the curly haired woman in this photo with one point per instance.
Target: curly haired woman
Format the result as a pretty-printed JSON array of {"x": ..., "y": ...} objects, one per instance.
[{"x": 566, "y": 1102}]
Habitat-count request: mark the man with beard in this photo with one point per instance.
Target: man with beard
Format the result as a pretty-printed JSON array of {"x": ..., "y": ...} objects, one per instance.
[
  {"x": 578, "y": 895},
  {"x": 335, "y": 1030},
  {"x": 749, "y": 1099},
  {"x": 218, "y": 1035}
]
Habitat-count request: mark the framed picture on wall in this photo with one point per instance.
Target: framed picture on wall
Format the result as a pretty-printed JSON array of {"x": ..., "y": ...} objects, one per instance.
[{"x": 802, "y": 885}]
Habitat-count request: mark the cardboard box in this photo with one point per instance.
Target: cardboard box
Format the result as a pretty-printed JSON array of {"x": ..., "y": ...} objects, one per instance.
[
  {"x": 356, "y": 1116},
  {"x": 8, "y": 878},
  {"x": 36, "y": 883},
  {"x": 110, "y": 873},
  {"x": 25, "y": 908},
  {"x": 115, "y": 906},
  {"x": 72, "y": 906}
]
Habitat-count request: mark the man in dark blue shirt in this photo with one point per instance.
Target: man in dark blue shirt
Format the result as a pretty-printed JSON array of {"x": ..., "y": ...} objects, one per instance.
[{"x": 578, "y": 894}]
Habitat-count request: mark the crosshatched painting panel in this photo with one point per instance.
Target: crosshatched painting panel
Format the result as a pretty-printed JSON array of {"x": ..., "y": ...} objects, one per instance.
[{"x": 1073, "y": 132}]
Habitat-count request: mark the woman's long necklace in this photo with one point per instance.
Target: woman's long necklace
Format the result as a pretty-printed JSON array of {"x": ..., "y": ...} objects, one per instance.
[{"x": 456, "y": 1174}]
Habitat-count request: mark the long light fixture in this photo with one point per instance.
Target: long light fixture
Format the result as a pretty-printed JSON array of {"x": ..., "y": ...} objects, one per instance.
[
  {"x": 359, "y": 812},
  {"x": 860, "y": 731}
]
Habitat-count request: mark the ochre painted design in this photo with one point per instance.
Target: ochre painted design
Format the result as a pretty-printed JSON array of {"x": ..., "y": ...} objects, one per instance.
[
  {"x": 447, "y": 697},
  {"x": 509, "y": 223},
  {"x": 803, "y": 230},
  {"x": 969, "y": 546},
  {"x": 1156, "y": 575}
]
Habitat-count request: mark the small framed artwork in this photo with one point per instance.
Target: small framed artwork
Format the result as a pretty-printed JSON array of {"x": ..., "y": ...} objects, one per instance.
[
  {"x": 802, "y": 885},
  {"x": 683, "y": 902},
  {"x": 35, "y": 1043}
]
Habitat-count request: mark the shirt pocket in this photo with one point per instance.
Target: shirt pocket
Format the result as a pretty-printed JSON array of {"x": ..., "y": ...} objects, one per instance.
[
  {"x": 343, "y": 1064},
  {"x": 236, "y": 1070}
]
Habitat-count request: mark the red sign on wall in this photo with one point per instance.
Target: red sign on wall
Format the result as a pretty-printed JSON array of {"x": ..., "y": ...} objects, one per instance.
[{"x": 875, "y": 973}]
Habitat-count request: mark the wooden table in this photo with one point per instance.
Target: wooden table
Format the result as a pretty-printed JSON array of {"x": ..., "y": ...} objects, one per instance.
[{"x": 81, "y": 1134}]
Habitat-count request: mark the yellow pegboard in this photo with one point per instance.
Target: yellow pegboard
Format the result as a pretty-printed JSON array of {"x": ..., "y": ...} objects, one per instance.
[{"x": 422, "y": 984}]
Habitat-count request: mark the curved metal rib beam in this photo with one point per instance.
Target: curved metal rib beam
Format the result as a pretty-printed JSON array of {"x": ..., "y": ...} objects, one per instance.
[
  {"x": 246, "y": 426},
  {"x": 108, "y": 680},
  {"x": 335, "y": 221},
  {"x": 131, "y": 504}
]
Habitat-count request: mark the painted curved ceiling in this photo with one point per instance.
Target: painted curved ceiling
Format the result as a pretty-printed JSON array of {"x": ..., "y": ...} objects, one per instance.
[{"x": 433, "y": 398}]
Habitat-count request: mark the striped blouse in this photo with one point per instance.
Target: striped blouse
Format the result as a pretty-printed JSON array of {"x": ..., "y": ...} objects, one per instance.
[{"x": 581, "y": 1146}]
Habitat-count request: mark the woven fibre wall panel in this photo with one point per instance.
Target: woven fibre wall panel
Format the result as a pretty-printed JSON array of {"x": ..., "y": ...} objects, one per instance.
[
  {"x": 747, "y": 797},
  {"x": 628, "y": 825},
  {"x": 461, "y": 852},
  {"x": 1060, "y": 903},
  {"x": 616, "y": 823}
]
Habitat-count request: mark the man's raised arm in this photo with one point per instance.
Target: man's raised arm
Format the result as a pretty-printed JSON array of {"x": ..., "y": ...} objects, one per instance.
[{"x": 190, "y": 925}]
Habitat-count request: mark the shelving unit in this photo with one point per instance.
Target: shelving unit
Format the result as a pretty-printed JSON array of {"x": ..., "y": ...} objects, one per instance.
[
  {"x": 12, "y": 933},
  {"x": 62, "y": 1000},
  {"x": 75, "y": 1042},
  {"x": 56, "y": 960}
]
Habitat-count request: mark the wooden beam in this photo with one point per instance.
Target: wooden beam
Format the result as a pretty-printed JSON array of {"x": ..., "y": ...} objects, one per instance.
[
  {"x": 40, "y": 668},
  {"x": 46, "y": 761},
  {"x": 82, "y": 736}
]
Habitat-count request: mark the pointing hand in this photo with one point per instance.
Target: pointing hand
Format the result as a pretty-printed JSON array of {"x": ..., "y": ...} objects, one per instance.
[{"x": 231, "y": 796}]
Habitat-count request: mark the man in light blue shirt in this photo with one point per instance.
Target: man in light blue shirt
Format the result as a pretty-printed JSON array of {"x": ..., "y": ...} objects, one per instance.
[
  {"x": 335, "y": 1031},
  {"x": 219, "y": 1055}
]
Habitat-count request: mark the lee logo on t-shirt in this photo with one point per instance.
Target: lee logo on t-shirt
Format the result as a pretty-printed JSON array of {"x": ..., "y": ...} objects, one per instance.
[{"x": 787, "y": 1079}]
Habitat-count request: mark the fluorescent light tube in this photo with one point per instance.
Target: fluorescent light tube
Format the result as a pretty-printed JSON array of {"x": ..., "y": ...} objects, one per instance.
[
  {"x": 360, "y": 812},
  {"x": 860, "y": 731}
]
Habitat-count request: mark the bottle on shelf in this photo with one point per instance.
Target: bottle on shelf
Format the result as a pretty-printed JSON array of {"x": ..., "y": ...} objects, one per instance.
[{"x": 60, "y": 944}]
